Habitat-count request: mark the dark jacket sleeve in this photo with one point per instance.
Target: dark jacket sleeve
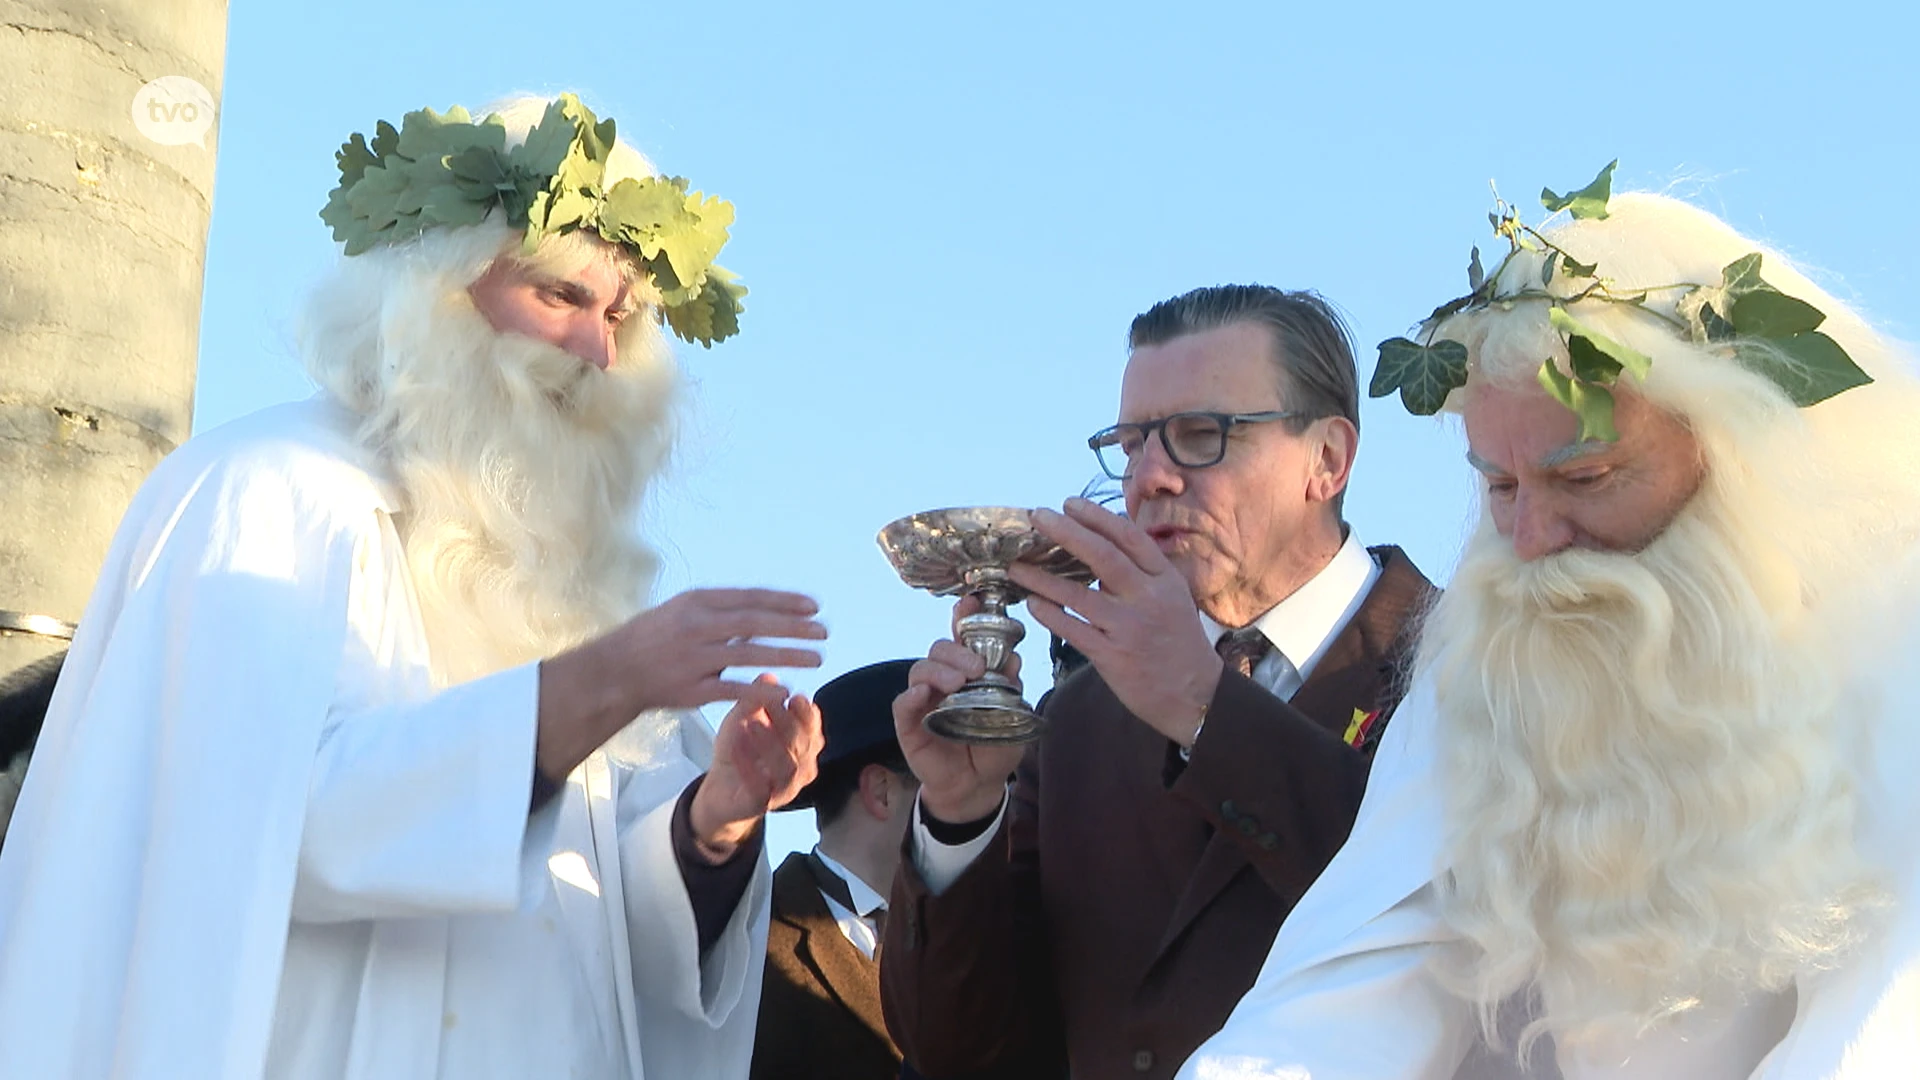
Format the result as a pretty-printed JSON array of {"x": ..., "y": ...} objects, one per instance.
[
  {"x": 1281, "y": 786},
  {"x": 965, "y": 977}
]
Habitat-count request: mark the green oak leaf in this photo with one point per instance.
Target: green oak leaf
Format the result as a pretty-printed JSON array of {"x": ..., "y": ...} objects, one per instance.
[
  {"x": 1589, "y": 201},
  {"x": 549, "y": 141},
  {"x": 1809, "y": 366},
  {"x": 1596, "y": 348},
  {"x": 353, "y": 158},
  {"x": 713, "y": 315},
  {"x": 1592, "y": 404},
  {"x": 1424, "y": 374}
]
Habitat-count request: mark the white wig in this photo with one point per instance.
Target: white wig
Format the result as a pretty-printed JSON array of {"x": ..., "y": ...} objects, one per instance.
[{"x": 1650, "y": 800}]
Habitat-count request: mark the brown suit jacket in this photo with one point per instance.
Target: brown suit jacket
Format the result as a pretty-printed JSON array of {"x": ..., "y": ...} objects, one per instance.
[
  {"x": 1135, "y": 896},
  {"x": 820, "y": 1006}
]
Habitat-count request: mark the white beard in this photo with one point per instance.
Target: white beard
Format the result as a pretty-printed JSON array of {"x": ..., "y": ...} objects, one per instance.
[
  {"x": 523, "y": 469},
  {"x": 1648, "y": 803}
]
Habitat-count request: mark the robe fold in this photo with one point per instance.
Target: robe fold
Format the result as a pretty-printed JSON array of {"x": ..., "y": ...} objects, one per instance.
[{"x": 259, "y": 840}]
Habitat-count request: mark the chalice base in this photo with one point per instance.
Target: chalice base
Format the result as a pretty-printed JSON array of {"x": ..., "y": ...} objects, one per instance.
[{"x": 988, "y": 710}]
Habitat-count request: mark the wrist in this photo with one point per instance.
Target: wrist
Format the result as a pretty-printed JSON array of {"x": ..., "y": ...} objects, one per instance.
[
  {"x": 716, "y": 837},
  {"x": 963, "y": 807}
]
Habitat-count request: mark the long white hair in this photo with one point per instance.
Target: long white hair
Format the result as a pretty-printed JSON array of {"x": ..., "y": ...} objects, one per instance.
[
  {"x": 523, "y": 467},
  {"x": 1649, "y": 799}
]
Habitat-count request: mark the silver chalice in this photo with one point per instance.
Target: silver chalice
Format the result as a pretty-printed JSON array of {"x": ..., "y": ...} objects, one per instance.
[{"x": 966, "y": 551}]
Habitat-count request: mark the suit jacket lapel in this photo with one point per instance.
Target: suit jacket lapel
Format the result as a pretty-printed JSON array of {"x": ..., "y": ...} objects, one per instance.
[
  {"x": 1361, "y": 670},
  {"x": 842, "y": 969}
]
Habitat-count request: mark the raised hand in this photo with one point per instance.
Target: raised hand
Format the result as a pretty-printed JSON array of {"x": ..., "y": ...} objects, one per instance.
[
  {"x": 679, "y": 650},
  {"x": 671, "y": 656},
  {"x": 763, "y": 755},
  {"x": 1139, "y": 628},
  {"x": 958, "y": 781}
]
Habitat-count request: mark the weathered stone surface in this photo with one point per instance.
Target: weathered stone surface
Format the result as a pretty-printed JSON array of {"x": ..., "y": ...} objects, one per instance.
[{"x": 102, "y": 248}]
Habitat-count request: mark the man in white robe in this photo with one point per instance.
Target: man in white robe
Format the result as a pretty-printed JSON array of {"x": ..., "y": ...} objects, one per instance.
[
  {"x": 1648, "y": 811},
  {"x": 326, "y": 789}
]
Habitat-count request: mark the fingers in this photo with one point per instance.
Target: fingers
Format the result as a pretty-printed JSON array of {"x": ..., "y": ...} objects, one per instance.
[
  {"x": 747, "y": 654},
  {"x": 910, "y": 708},
  {"x": 1111, "y": 564},
  {"x": 772, "y": 600},
  {"x": 1092, "y": 603},
  {"x": 749, "y": 697},
  {"x": 969, "y": 604},
  {"x": 1082, "y": 636},
  {"x": 1122, "y": 532}
]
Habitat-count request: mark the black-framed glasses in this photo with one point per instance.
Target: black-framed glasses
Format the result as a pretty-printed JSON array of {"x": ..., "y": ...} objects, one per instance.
[{"x": 1192, "y": 440}]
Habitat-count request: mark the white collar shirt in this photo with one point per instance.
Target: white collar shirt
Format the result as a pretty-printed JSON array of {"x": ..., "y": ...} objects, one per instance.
[
  {"x": 1302, "y": 626},
  {"x": 859, "y": 927}
]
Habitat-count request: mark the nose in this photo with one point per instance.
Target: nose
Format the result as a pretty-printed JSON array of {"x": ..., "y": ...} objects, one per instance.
[
  {"x": 1538, "y": 529},
  {"x": 1154, "y": 473},
  {"x": 593, "y": 341}
]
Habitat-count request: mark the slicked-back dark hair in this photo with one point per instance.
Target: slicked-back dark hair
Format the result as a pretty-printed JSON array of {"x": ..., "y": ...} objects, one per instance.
[{"x": 1313, "y": 350}]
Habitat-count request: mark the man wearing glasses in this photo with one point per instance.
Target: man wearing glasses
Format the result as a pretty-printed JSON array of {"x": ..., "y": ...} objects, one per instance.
[{"x": 1106, "y": 913}]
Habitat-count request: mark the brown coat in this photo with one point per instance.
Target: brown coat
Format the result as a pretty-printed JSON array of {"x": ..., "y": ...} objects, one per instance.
[
  {"x": 820, "y": 1007},
  {"x": 1135, "y": 898}
]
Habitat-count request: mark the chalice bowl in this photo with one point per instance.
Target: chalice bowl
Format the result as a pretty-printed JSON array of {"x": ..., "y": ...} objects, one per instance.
[{"x": 965, "y": 551}]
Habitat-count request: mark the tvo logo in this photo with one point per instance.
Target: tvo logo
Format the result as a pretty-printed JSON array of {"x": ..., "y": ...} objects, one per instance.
[{"x": 173, "y": 110}]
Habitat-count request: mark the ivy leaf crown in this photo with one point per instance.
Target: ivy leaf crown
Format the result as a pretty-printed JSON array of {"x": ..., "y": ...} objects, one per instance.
[
  {"x": 1766, "y": 331},
  {"x": 445, "y": 169}
]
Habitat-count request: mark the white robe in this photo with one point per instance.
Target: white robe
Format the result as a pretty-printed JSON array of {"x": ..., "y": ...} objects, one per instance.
[
  {"x": 254, "y": 841},
  {"x": 1346, "y": 992}
]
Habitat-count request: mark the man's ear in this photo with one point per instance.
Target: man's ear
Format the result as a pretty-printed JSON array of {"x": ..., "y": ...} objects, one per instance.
[
  {"x": 876, "y": 794},
  {"x": 1333, "y": 442}
]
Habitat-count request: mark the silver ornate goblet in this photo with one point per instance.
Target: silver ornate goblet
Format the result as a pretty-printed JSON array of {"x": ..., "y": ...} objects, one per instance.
[{"x": 966, "y": 551}]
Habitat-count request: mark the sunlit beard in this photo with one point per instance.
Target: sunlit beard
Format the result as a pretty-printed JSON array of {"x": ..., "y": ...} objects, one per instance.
[
  {"x": 523, "y": 470},
  {"x": 1647, "y": 804}
]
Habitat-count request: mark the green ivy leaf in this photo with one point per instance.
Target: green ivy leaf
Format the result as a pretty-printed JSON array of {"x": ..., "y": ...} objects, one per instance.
[
  {"x": 1810, "y": 366},
  {"x": 1589, "y": 201},
  {"x": 1546, "y": 268},
  {"x": 1741, "y": 274},
  {"x": 1715, "y": 327},
  {"x": 1476, "y": 274},
  {"x": 1574, "y": 268},
  {"x": 1424, "y": 374},
  {"x": 1769, "y": 313},
  {"x": 1592, "y": 404},
  {"x": 1597, "y": 351}
]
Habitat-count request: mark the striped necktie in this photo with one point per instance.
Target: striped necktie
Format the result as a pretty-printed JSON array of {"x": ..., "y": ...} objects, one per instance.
[{"x": 1243, "y": 649}]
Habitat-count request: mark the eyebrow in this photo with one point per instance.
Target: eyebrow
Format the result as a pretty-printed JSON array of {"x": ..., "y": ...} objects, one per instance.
[
  {"x": 576, "y": 293},
  {"x": 1567, "y": 453}
]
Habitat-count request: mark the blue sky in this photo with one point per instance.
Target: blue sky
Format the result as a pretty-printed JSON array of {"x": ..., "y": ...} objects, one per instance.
[{"x": 948, "y": 215}]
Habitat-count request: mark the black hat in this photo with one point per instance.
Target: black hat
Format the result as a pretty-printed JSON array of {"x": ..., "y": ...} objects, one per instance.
[{"x": 856, "y": 713}]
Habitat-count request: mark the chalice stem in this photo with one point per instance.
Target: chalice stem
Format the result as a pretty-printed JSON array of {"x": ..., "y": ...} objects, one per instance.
[{"x": 991, "y": 632}]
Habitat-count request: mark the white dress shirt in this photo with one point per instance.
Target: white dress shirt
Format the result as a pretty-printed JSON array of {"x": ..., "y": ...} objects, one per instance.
[
  {"x": 1301, "y": 627},
  {"x": 860, "y": 927}
]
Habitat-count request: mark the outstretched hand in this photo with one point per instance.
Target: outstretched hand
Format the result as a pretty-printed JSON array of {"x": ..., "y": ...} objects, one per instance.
[
  {"x": 1139, "y": 628},
  {"x": 763, "y": 755}
]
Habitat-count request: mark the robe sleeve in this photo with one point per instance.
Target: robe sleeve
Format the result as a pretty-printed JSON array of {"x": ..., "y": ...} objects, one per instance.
[
  {"x": 1374, "y": 1011},
  {"x": 420, "y": 808},
  {"x": 697, "y": 1008}
]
